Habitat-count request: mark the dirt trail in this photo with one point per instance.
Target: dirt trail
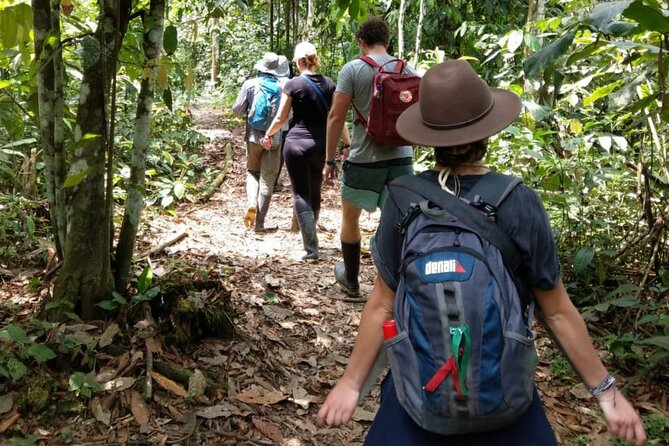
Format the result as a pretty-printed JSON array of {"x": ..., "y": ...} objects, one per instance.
[{"x": 294, "y": 338}]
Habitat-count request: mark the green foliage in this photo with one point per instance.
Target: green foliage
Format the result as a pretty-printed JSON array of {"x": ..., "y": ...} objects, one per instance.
[
  {"x": 82, "y": 384},
  {"x": 19, "y": 350},
  {"x": 145, "y": 292}
]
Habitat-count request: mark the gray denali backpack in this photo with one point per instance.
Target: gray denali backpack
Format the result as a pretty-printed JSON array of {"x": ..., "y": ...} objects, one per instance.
[{"x": 464, "y": 358}]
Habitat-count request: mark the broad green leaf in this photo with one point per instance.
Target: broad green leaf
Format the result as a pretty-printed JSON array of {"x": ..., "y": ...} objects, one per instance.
[
  {"x": 548, "y": 55},
  {"x": 23, "y": 14},
  {"x": 618, "y": 29},
  {"x": 108, "y": 305},
  {"x": 605, "y": 12},
  {"x": 77, "y": 178},
  {"x": 10, "y": 33},
  {"x": 625, "y": 288},
  {"x": 41, "y": 352},
  {"x": 167, "y": 98},
  {"x": 179, "y": 189},
  {"x": 5, "y": 83},
  {"x": 20, "y": 142},
  {"x": 515, "y": 40},
  {"x": 601, "y": 92},
  {"x": 170, "y": 39},
  {"x": 15, "y": 333},
  {"x": 16, "y": 368},
  {"x": 166, "y": 201},
  {"x": 625, "y": 302},
  {"x": 4, "y": 372},
  {"x": 145, "y": 279},
  {"x": 85, "y": 139},
  {"x": 659, "y": 341},
  {"x": 583, "y": 259},
  {"x": 585, "y": 53},
  {"x": 354, "y": 9},
  {"x": 73, "y": 316},
  {"x": 118, "y": 298},
  {"x": 30, "y": 225},
  {"x": 648, "y": 17}
]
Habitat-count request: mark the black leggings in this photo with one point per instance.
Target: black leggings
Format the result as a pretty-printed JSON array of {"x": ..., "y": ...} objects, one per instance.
[{"x": 305, "y": 159}]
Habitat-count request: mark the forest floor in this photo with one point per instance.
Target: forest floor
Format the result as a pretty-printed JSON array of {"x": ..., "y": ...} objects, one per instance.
[{"x": 291, "y": 343}]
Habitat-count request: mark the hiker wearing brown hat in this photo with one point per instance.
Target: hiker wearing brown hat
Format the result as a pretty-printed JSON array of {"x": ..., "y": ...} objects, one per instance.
[
  {"x": 456, "y": 114},
  {"x": 263, "y": 166}
]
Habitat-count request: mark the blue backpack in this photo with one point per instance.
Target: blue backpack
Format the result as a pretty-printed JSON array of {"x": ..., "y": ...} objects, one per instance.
[
  {"x": 464, "y": 358},
  {"x": 265, "y": 103}
]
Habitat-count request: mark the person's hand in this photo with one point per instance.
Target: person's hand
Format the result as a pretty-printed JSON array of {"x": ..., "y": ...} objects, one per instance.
[
  {"x": 339, "y": 405},
  {"x": 329, "y": 174},
  {"x": 266, "y": 142},
  {"x": 621, "y": 417}
]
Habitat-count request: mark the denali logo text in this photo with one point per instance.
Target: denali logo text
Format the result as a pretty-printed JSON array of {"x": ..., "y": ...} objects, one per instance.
[{"x": 443, "y": 266}]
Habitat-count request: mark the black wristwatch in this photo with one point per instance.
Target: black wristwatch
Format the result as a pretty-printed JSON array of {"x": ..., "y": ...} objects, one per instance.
[{"x": 331, "y": 162}]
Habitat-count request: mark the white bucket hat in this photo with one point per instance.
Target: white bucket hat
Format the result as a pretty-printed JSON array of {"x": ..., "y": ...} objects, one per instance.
[{"x": 269, "y": 64}]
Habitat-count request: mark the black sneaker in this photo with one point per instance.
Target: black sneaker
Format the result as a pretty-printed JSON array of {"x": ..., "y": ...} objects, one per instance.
[{"x": 352, "y": 289}]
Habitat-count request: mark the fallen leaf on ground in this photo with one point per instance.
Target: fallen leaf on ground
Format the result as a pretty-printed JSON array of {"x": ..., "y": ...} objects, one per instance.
[
  {"x": 108, "y": 336},
  {"x": 139, "y": 409},
  {"x": 220, "y": 410},
  {"x": 254, "y": 396},
  {"x": 6, "y": 403},
  {"x": 100, "y": 414},
  {"x": 7, "y": 422},
  {"x": 268, "y": 429},
  {"x": 168, "y": 384},
  {"x": 118, "y": 384},
  {"x": 363, "y": 415}
]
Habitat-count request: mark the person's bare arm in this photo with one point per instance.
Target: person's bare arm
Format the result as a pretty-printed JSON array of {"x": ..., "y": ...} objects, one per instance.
[
  {"x": 343, "y": 398},
  {"x": 281, "y": 117},
  {"x": 570, "y": 331},
  {"x": 336, "y": 120}
]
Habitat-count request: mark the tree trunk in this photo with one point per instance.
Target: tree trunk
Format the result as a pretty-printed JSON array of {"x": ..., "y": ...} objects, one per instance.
[
  {"x": 46, "y": 20},
  {"x": 153, "y": 44},
  {"x": 419, "y": 29},
  {"x": 85, "y": 278},
  {"x": 215, "y": 53},
  {"x": 271, "y": 25},
  {"x": 400, "y": 30},
  {"x": 306, "y": 33}
]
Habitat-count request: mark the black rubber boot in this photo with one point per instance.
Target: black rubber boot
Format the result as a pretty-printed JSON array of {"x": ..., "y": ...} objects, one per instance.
[
  {"x": 346, "y": 272},
  {"x": 263, "y": 207},
  {"x": 309, "y": 237}
]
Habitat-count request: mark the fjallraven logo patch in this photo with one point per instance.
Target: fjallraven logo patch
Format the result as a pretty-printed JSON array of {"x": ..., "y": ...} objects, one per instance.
[
  {"x": 406, "y": 96},
  {"x": 444, "y": 266}
]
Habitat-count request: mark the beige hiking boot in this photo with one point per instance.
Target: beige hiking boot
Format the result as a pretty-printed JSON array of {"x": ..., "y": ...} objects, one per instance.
[{"x": 250, "y": 217}]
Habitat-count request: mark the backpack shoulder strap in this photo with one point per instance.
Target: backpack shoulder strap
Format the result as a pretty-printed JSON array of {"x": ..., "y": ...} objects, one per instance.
[
  {"x": 369, "y": 61},
  {"x": 319, "y": 93},
  {"x": 411, "y": 187},
  {"x": 493, "y": 188}
]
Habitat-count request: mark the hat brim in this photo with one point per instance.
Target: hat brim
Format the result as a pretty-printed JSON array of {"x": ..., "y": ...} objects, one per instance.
[
  {"x": 506, "y": 108},
  {"x": 259, "y": 66}
]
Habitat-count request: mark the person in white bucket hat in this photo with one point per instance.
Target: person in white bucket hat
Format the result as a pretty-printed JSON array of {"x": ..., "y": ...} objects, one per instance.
[{"x": 263, "y": 166}]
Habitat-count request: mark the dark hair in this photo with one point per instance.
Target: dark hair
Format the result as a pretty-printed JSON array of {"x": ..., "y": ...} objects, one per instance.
[
  {"x": 465, "y": 154},
  {"x": 374, "y": 31}
]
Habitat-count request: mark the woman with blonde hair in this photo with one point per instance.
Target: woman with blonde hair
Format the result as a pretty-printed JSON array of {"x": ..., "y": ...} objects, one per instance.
[{"x": 308, "y": 96}]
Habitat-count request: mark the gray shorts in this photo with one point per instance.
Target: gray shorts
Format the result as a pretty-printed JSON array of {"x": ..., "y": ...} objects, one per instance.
[{"x": 365, "y": 184}]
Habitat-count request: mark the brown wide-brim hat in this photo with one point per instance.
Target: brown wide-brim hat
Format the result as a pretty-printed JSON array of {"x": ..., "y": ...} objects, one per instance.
[{"x": 456, "y": 107}]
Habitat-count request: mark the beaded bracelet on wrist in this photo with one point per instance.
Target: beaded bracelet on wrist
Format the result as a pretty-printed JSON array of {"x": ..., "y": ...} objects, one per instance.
[{"x": 608, "y": 382}]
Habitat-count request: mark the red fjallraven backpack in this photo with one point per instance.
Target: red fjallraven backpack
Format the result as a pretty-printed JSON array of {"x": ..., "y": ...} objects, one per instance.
[{"x": 392, "y": 92}]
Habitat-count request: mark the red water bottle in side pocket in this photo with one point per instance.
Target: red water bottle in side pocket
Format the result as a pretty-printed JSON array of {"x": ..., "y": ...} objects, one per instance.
[{"x": 389, "y": 329}]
